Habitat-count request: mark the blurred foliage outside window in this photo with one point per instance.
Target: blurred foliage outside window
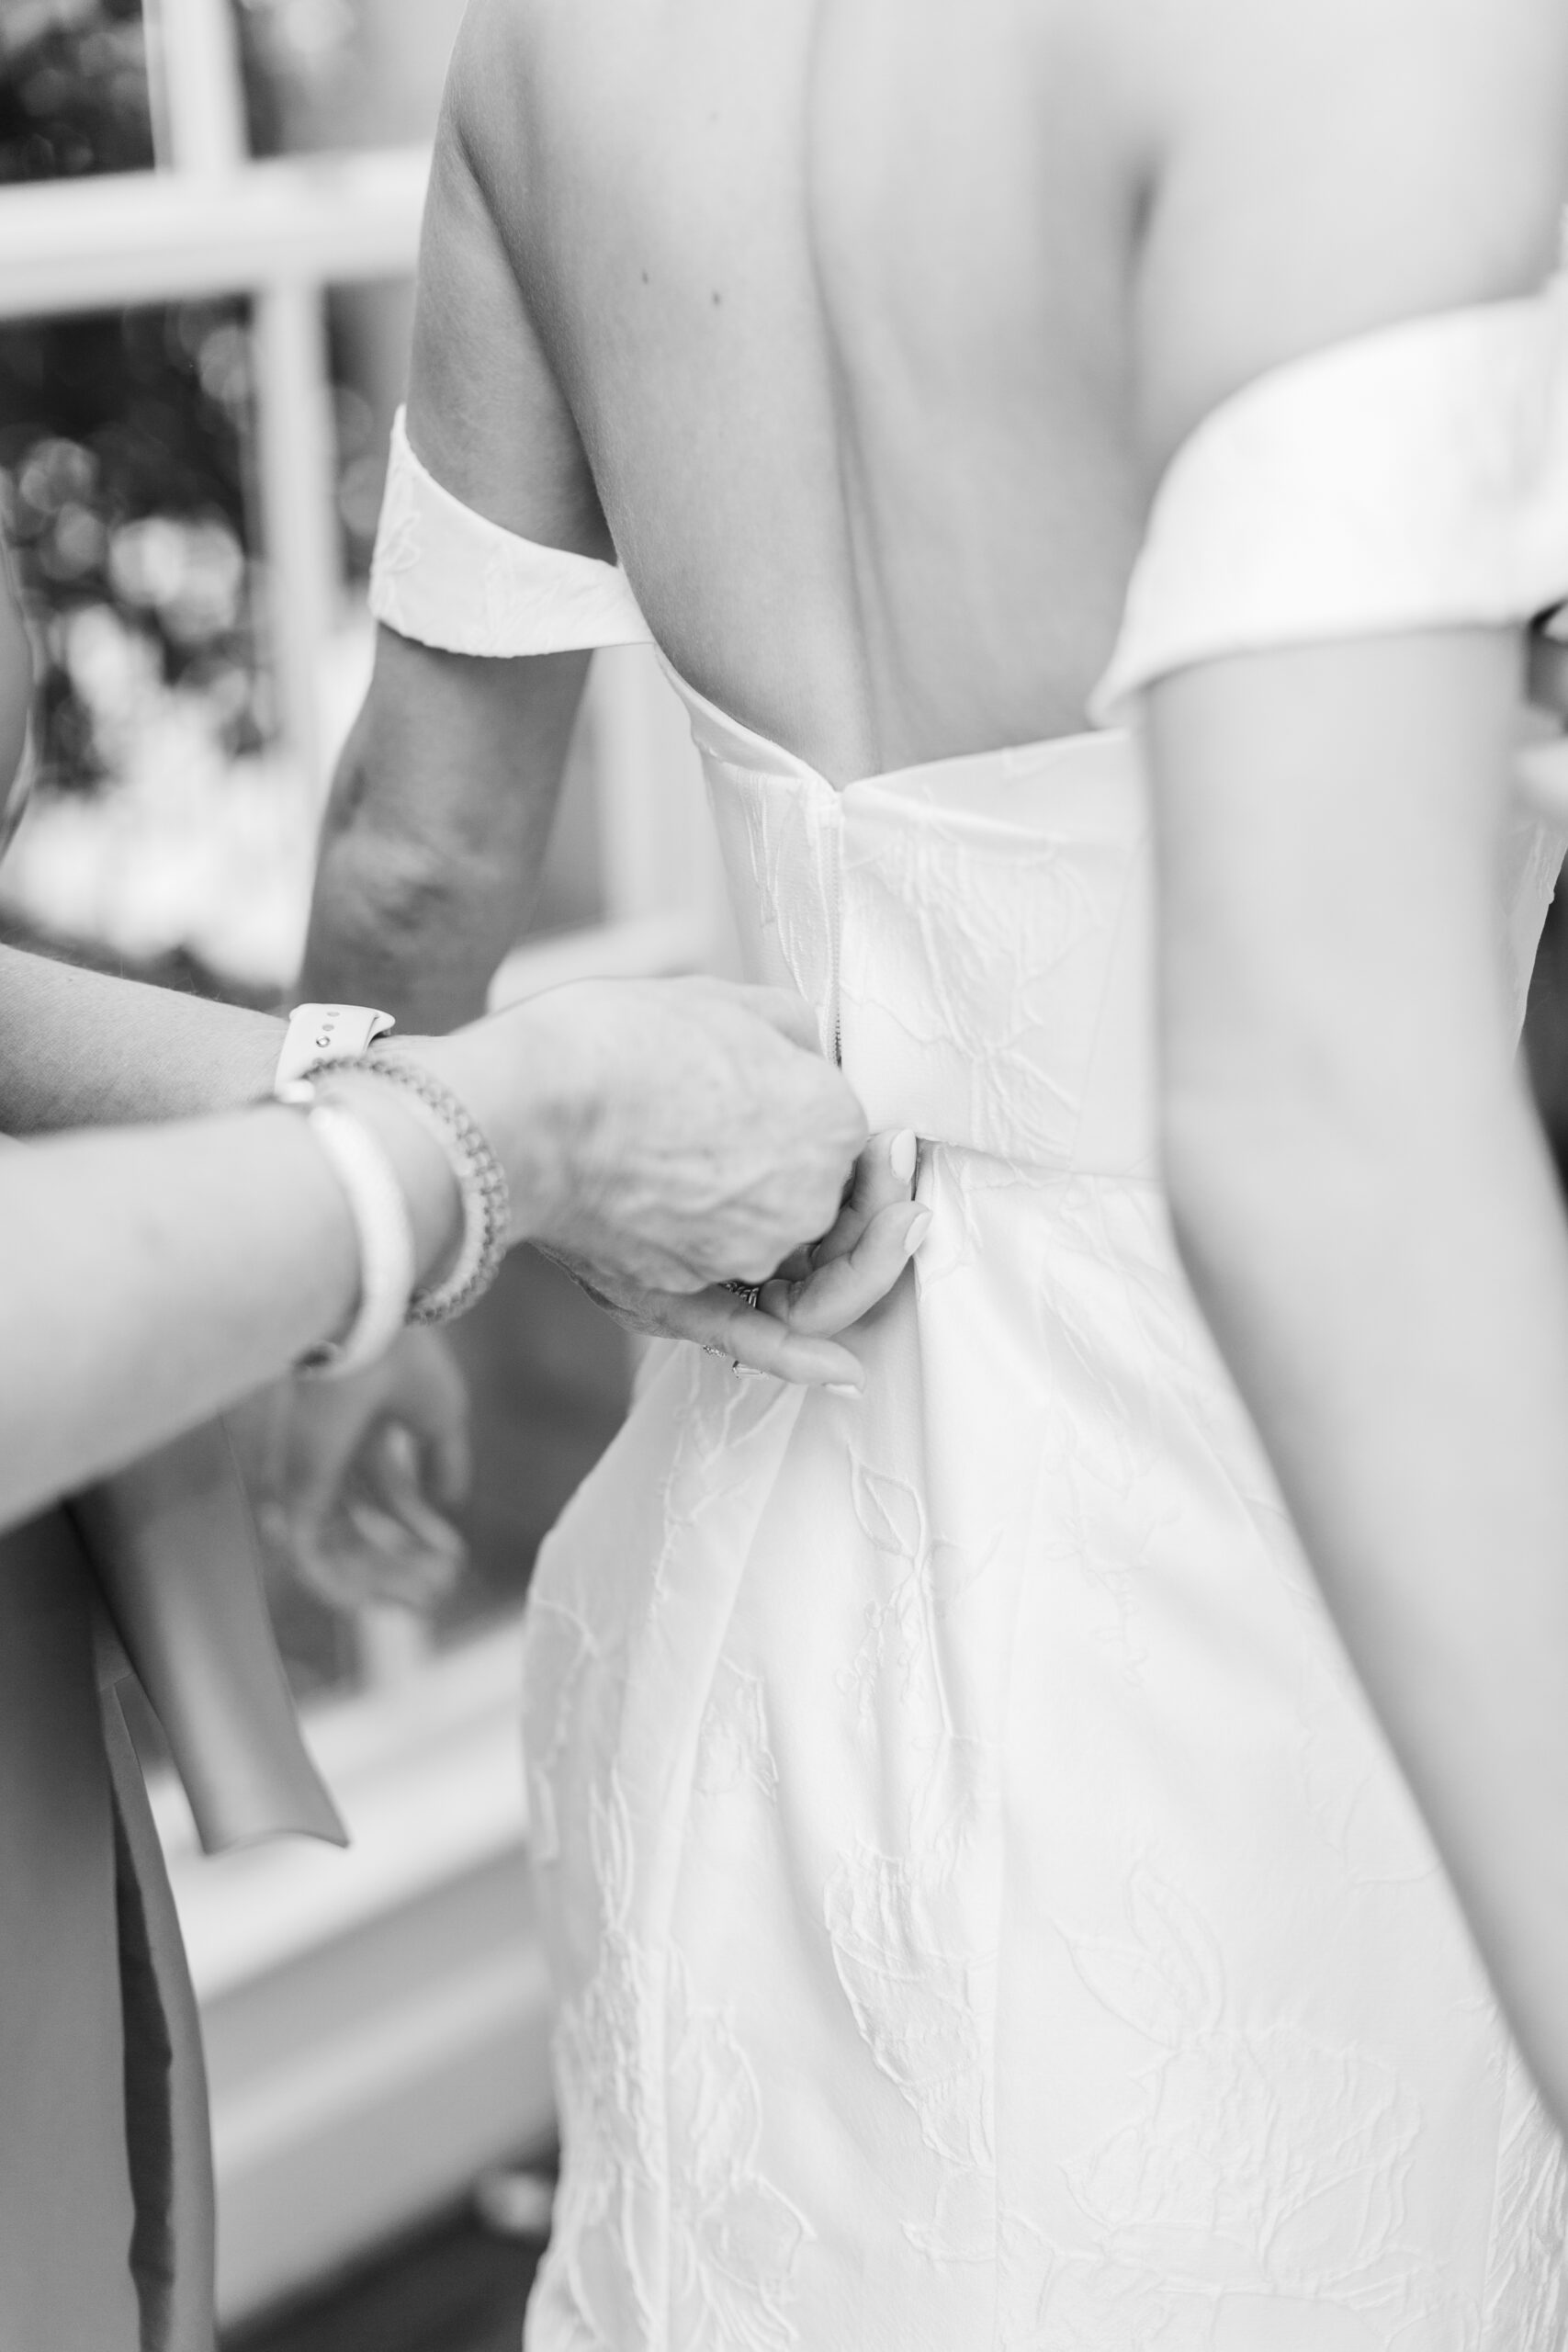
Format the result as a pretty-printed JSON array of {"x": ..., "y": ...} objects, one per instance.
[
  {"x": 162, "y": 826},
  {"x": 73, "y": 89}
]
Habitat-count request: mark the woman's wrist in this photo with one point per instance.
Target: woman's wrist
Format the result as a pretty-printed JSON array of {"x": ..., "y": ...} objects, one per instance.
[{"x": 522, "y": 1083}]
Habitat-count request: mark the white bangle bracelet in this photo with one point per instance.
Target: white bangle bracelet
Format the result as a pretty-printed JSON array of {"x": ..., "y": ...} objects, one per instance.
[{"x": 381, "y": 1220}]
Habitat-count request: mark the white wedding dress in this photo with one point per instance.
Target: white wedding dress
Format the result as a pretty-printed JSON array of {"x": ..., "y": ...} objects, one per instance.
[{"x": 983, "y": 1908}]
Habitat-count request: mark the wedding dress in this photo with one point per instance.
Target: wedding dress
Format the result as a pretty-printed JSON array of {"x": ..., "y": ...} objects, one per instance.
[{"x": 983, "y": 1910}]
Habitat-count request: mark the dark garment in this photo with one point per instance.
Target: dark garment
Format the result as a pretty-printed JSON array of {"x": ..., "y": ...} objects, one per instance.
[
  {"x": 105, "y": 2189},
  {"x": 167, "y": 2133},
  {"x": 106, "y": 2177}
]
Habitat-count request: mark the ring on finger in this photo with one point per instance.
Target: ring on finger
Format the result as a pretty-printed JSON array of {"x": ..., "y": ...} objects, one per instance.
[
  {"x": 748, "y": 1292},
  {"x": 712, "y": 1348}
]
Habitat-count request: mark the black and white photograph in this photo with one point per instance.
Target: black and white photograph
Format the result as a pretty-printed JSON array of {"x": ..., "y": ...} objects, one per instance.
[{"x": 784, "y": 1176}]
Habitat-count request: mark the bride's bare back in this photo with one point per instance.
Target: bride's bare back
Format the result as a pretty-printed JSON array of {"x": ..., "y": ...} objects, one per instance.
[{"x": 864, "y": 325}]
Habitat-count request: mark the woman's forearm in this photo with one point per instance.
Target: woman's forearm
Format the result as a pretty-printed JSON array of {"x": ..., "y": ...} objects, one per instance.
[
  {"x": 80, "y": 1048},
  {"x": 1392, "y": 1296},
  {"x": 149, "y": 1277}
]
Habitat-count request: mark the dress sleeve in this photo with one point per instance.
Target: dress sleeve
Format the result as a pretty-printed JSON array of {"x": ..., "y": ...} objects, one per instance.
[
  {"x": 1414, "y": 478},
  {"x": 449, "y": 577}
]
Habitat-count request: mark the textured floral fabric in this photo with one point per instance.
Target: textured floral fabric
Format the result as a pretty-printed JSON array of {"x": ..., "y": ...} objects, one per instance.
[{"x": 983, "y": 1910}]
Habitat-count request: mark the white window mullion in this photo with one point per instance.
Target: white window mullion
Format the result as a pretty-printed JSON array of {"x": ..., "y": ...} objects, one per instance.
[
  {"x": 198, "y": 109},
  {"x": 296, "y": 473},
  {"x": 198, "y": 96}
]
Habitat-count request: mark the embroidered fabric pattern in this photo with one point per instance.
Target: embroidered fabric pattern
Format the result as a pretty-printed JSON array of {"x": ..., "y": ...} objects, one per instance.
[{"x": 976, "y": 1760}]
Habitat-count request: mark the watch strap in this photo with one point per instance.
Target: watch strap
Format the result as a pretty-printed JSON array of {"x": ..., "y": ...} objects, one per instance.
[{"x": 319, "y": 1034}]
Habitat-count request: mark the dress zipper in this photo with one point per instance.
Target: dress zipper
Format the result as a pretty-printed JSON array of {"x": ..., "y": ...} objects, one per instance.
[{"x": 834, "y": 894}]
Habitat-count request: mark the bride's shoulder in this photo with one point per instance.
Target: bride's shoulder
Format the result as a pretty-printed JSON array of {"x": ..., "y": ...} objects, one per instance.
[
  {"x": 513, "y": 64},
  {"x": 1317, "y": 169}
]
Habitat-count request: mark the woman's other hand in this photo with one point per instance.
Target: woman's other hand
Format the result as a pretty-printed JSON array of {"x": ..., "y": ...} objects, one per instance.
[
  {"x": 823, "y": 1290},
  {"x": 352, "y": 1481}
]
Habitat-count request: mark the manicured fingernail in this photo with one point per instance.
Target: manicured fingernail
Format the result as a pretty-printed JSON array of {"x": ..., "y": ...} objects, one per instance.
[
  {"x": 918, "y": 1231},
  {"x": 902, "y": 1153},
  {"x": 844, "y": 1388}
]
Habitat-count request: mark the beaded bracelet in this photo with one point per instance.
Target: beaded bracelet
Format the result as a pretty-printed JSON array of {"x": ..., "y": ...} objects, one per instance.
[{"x": 481, "y": 1182}]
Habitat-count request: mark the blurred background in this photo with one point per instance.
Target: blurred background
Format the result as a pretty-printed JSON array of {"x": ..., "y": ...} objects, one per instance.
[{"x": 209, "y": 219}]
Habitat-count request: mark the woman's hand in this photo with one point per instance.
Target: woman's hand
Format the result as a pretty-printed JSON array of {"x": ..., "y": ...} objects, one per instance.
[
  {"x": 663, "y": 1134},
  {"x": 352, "y": 1480},
  {"x": 659, "y": 1138},
  {"x": 818, "y": 1293},
  {"x": 823, "y": 1290}
]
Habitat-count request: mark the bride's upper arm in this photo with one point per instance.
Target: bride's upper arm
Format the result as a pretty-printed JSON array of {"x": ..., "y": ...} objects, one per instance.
[
  {"x": 486, "y": 412},
  {"x": 1328, "y": 812},
  {"x": 1328, "y": 820}
]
